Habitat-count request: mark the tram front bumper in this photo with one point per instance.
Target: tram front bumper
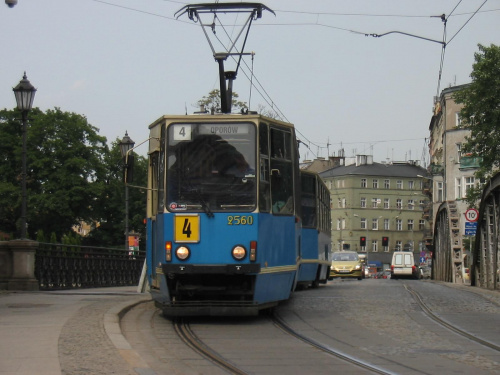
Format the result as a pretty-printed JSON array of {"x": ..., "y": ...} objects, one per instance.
[{"x": 223, "y": 269}]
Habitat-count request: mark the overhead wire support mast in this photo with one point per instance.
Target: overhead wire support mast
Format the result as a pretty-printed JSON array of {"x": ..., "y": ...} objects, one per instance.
[
  {"x": 255, "y": 12},
  {"x": 415, "y": 36}
]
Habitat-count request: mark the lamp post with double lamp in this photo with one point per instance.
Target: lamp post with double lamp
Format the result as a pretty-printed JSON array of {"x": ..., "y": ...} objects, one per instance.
[
  {"x": 126, "y": 145},
  {"x": 25, "y": 94}
]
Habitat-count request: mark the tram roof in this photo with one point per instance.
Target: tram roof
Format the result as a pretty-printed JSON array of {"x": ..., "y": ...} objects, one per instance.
[{"x": 219, "y": 117}]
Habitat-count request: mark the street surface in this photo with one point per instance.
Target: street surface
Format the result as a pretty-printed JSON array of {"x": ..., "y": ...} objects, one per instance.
[{"x": 377, "y": 321}]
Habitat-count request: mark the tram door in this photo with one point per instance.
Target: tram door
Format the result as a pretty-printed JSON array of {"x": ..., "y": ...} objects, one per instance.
[{"x": 281, "y": 165}]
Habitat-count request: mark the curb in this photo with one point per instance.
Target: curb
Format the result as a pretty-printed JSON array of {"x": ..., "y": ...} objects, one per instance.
[{"x": 112, "y": 319}]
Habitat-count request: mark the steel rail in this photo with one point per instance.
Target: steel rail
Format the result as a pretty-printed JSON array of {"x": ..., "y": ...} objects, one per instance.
[
  {"x": 278, "y": 322},
  {"x": 183, "y": 330},
  {"x": 445, "y": 324}
]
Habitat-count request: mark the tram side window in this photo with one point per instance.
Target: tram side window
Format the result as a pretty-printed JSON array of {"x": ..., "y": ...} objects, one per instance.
[
  {"x": 153, "y": 193},
  {"x": 161, "y": 174},
  {"x": 281, "y": 172},
  {"x": 264, "y": 187},
  {"x": 308, "y": 201}
]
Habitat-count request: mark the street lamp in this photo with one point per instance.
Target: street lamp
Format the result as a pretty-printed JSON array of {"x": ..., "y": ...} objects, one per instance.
[
  {"x": 126, "y": 145},
  {"x": 24, "y": 93}
]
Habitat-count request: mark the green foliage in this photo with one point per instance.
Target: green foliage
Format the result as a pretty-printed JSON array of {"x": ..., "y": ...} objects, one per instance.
[
  {"x": 212, "y": 102},
  {"x": 72, "y": 176},
  {"x": 109, "y": 209},
  {"x": 481, "y": 114}
]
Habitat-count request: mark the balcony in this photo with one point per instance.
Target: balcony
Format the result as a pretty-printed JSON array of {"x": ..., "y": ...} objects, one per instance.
[
  {"x": 435, "y": 169},
  {"x": 467, "y": 162}
]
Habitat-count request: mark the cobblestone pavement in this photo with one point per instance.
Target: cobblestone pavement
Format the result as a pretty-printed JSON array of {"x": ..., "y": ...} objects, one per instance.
[
  {"x": 52, "y": 333},
  {"x": 385, "y": 319},
  {"x": 65, "y": 332}
]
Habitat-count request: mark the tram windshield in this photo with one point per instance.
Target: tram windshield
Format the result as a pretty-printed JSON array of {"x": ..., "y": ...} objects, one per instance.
[{"x": 211, "y": 167}]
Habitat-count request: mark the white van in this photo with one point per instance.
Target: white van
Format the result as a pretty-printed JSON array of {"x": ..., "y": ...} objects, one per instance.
[{"x": 403, "y": 265}]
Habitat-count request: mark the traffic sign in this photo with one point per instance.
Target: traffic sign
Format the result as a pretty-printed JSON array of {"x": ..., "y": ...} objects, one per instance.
[
  {"x": 470, "y": 228},
  {"x": 471, "y": 214},
  {"x": 470, "y": 232}
]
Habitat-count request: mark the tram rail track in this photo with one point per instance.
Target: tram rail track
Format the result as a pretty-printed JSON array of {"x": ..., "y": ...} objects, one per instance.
[
  {"x": 183, "y": 330},
  {"x": 186, "y": 334},
  {"x": 430, "y": 314},
  {"x": 279, "y": 323}
]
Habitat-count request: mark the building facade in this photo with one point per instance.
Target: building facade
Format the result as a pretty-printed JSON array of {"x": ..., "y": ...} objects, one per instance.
[
  {"x": 451, "y": 171},
  {"x": 377, "y": 208}
]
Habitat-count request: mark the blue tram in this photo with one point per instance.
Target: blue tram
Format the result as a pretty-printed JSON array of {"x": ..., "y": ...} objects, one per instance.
[
  {"x": 315, "y": 258},
  {"x": 225, "y": 233}
]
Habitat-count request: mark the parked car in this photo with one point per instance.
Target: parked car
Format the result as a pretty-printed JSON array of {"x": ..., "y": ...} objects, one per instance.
[
  {"x": 403, "y": 265},
  {"x": 346, "y": 264}
]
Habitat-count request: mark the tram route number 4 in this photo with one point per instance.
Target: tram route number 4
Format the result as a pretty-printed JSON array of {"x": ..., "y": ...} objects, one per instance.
[{"x": 187, "y": 228}]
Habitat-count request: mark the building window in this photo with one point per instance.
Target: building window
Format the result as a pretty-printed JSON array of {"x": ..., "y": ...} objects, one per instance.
[
  {"x": 363, "y": 223},
  {"x": 374, "y": 245},
  {"x": 363, "y": 202},
  {"x": 398, "y": 245},
  {"x": 375, "y": 202},
  {"x": 439, "y": 191},
  {"x": 458, "y": 188},
  {"x": 469, "y": 184},
  {"x": 411, "y": 204},
  {"x": 340, "y": 223},
  {"x": 458, "y": 120},
  {"x": 375, "y": 184},
  {"x": 422, "y": 204},
  {"x": 421, "y": 224},
  {"x": 340, "y": 183},
  {"x": 374, "y": 224},
  {"x": 387, "y": 203},
  {"x": 411, "y": 184},
  {"x": 399, "y": 184},
  {"x": 410, "y": 224},
  {"x": 386, "y": 224},
  {"x": 399, "y": 224},
  {"x": 459, "y": 152},
  {"x": 410, "y": 245},
  {"x": 399, "y": 204},
  {"x": 387, "y": 184},
  {"x": 363, "y": 182}
]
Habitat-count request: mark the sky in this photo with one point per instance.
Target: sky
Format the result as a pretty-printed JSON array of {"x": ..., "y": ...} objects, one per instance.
[{"x": 125, "y": 63}]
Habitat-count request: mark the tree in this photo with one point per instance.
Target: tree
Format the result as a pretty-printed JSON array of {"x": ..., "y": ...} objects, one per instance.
[
  {"x": 72, "y": 176},
  {"x": 481, "y": 114},
  {"x": 109, "y": 210},
  {"x": 212, "y": 102}
]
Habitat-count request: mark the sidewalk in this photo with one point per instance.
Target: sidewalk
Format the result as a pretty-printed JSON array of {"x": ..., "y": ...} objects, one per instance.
[{"x": 77, "y": 330}]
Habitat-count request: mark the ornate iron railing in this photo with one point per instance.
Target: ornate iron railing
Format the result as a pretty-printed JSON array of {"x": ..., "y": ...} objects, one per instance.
[{"x": 59, "y": 266}]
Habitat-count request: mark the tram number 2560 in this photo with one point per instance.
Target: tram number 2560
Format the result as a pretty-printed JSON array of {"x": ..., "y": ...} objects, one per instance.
[{"x": 239, "y": 220}]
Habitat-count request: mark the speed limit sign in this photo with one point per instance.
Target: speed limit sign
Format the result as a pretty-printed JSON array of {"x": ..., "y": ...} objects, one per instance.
[{"x": 471, "y": 214}]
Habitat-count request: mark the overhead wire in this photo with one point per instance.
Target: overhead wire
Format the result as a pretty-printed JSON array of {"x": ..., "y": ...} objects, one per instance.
[{"x": 267, "y": 98}]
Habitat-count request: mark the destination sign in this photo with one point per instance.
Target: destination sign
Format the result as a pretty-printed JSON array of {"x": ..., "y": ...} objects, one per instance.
[{"x": 224, "y": 129}]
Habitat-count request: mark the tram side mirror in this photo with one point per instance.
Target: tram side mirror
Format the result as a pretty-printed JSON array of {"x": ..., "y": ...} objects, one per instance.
[{"x": 275, "y": 173}]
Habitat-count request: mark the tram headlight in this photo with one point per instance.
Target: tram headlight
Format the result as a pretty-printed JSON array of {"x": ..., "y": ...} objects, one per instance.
[
  {"x": 239, "y": 252},
  {"x": 182, "y": 252}
]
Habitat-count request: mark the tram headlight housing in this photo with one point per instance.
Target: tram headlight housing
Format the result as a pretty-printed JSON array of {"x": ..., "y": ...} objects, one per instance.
[
  {"x": 182, "y": 252},
  {"x": 239, "y": 252}
]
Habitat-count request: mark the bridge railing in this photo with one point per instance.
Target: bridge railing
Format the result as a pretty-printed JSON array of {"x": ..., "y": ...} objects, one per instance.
[{"x": 59, "y": 266}]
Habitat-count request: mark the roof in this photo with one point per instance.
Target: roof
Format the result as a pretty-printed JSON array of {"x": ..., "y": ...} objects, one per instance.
[{"x": 407, "y": 170}]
